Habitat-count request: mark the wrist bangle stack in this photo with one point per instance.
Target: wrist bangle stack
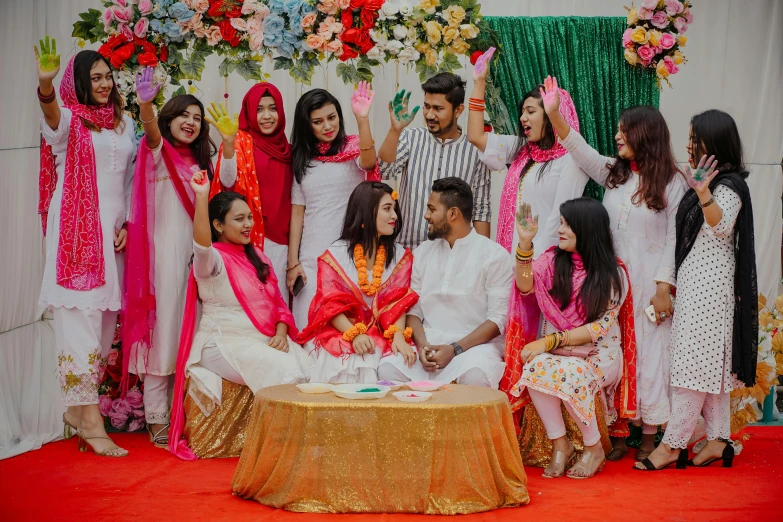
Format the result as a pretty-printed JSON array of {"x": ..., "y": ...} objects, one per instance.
[
  {"x": 354, "y": 331},
  {"x": 46, "y": 99},
  {"x": 553, "y": 341},
  {"x": 476, "y": 104},
  {"x": 525, "y": 260}
]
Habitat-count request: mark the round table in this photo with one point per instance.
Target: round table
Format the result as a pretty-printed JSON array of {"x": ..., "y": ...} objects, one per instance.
[{"x": 453, "y": 454}]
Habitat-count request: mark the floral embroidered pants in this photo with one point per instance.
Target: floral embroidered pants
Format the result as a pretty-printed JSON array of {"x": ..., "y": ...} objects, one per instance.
[
  {"x": 687, "y": 405},
  {"x": 83, "y": 339}
]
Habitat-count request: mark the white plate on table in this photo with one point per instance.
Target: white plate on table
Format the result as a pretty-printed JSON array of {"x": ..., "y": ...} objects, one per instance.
[
  {"x": 425, "y": 386},
  {"x": 412, "y": 396},
  {"x": 353, "y": 391},
  {"x": 314, "y": 387},
  {"x": 393, "y": 385}
]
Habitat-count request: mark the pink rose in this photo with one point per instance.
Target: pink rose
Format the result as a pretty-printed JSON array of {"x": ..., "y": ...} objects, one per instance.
[
  {"x": 688, "y": 16},
  {"x": 200, "y": 31},
  {"x": 104, "y": 404},
  {"x": 122, "y": 3},
  {"x": 136, "y": 425},
  {"x": 681, "y": 25},
  {"x": 645, "y": 53},
  {"x": 673, "y": 7},
  {"x": 262, "y": 12},
  {"x": 145, "y": 6},
  {"x": 139, "y": 414},
  {"x": 108, "y": 18},
  {"x": 308, "y": 21},
  {"x": 627, "y": 37},
  {"x": 126, "y": 32},
  {"x": 667, "y": 41},
  {"x": 659, "y": 19},
  {"x": 344, "y": 4},
  {"x": 113, "y": 354},
  {"x": 200, "y": 6},
  {"x": 254, "y": 26},
  {"x": 123, "y": 15},
  {"x": 213, "y": 35},
  {"x": 644, "y": 13},
  {"x": 670, "y": 65},
  {"x": 327, "y": 6},
  {"x": 121, "y": 406},
  {"x": 335, "y": 47},
  {"x": 649, "y": 4},
  {"x": 239, "y": 24},
  {"x": 140, "y": 30},
  {"x": 315, "y": 42},
  {"x": 256, "y": 41},
  {"x": 134, "y": 398}
]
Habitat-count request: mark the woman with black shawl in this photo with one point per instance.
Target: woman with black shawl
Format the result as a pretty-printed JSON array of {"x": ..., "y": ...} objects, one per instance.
[{"x": 715, "y": 328}]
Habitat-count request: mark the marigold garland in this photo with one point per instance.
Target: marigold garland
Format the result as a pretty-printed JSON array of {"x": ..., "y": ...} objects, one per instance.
[
  {"x": 354, "y": 331},
  {"x": 377, "y": 270},
  {"x": 407, "y": 333}
]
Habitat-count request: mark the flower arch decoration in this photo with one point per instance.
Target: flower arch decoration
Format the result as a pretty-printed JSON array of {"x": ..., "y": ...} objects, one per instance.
[{"x": 176, "y": 37}]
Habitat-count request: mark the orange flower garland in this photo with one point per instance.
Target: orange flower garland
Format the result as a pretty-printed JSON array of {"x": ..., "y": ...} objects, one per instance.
[
  {"x": 393, "y": 329},
  {"x": 354, "y": 331},
  {"x": 377, "y": 270}
]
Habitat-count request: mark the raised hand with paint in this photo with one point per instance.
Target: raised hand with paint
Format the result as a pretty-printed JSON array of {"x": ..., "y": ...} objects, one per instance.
[
  {"x": 146, "y": 88},
  {"x": 481, "y": 69},
  {"x": 361, "y": 100},
  {"x": 527, "y": 226},
  {"x": 550, "y": 96},
  {"x": 223, "y": 122},
  {"x": 401, "y": 117},
  {"x": 699, "y": 180},
  {"x": 48, "y": 67}
]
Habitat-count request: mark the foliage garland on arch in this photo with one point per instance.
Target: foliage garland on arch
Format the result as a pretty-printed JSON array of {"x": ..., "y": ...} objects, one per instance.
[{"x": 176, "y": 37}]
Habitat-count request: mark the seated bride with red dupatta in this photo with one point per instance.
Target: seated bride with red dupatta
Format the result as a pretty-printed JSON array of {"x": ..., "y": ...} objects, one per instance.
[
  {"x": 363, "y": 292},
  {"x": 244, "y": 331},
  {"x": 584, "y": 357}
]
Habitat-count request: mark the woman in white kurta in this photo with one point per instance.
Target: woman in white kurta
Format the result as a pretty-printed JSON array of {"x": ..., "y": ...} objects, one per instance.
[
  {"x": 642, "y": 214},
  {"x": 540, "y": 170},
  {"x": 327, "y": 165},
  {"x": 87, "y": 169}
]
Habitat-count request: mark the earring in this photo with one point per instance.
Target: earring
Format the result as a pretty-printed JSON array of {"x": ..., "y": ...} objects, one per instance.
[{"x": 362, "y": 225}]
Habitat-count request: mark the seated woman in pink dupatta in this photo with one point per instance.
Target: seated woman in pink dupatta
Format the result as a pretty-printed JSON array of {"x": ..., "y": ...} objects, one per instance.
[
  {"x": 586, "y": 345},
  {"x": 176, "y": 144},
  {"x": 244, "y": 331}
]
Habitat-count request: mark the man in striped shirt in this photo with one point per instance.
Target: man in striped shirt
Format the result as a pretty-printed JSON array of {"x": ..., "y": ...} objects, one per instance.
[{"x": 417, "y": 157}]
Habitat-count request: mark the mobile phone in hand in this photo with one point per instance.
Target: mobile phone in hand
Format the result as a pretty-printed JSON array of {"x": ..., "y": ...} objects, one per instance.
[{"x": 298, "y": 285}]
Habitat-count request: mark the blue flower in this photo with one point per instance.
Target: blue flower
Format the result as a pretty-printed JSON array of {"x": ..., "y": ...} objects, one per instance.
[
  {"x": 156, "y": 25},
  {"x": 295, "y": 23},
  {"x": 274, "y": 25},
  {"x": 293, "y": 6},
  {"x": 286, "y": 50},
  {"x": 308, "y": 8},
  {"x": 277, "y": 6},
  {"x": 164, "y": 3},
  {"x": 181, "y": 12},
  {"x": 159, "y": 11},
  {"x": 172, "y": 30},
  {"x": 290, "y": 38}
]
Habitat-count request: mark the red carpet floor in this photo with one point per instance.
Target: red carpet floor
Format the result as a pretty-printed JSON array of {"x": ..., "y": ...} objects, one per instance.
[{"x": 59, "y": 483}]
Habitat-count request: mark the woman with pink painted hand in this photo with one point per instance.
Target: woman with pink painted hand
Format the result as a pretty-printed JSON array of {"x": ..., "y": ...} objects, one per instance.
[
  {"x": 176, "y": 144},
  {"x": 327, "y": 166},
  {"x": 86, "y": 172},
  {"x": 643, "y": 188}
]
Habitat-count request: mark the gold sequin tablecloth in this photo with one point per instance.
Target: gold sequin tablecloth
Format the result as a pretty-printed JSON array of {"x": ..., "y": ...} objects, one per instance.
[{"x": 453, "y": 454}]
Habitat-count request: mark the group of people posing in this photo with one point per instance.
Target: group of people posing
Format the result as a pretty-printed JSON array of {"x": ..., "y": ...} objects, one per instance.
[{"x": 572, "y": 305}]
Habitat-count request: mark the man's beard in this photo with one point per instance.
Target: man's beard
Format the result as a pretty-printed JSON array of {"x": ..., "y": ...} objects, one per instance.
[
  {"x": 439, "y": 230},
  {"x": 441, "y": 129}
]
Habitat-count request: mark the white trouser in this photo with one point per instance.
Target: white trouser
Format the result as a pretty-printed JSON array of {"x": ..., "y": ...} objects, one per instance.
[
  {"x": 686, "y": 406},
  {"x": 472, "y": 377},
  {"x": 157, "y": 398},
  {"x": 212, "y": 359},
  {"x": 278, "y": 254},
  {"x": 83, "y": 339},
  {"x": 548, "y": 408}
]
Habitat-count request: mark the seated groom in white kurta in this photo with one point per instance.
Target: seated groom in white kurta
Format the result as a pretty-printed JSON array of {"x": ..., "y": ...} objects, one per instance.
[{"x": 462, "y": 279}]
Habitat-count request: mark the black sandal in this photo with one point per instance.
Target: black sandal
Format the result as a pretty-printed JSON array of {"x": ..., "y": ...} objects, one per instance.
[
  {"x": 682, "y": 460},
  {"x": 727, "y": 457}
]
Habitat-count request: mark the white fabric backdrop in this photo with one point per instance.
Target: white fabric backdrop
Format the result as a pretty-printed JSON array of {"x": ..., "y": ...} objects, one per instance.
[{"x": 734, "y": 64}]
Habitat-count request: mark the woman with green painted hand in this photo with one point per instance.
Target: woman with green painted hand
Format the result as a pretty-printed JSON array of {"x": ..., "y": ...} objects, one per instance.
[
  {"x": 175, "y": 145},
  {"x": 86, "y": 171}
]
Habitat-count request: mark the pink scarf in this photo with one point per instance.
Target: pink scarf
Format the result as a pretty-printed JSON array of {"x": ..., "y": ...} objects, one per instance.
[
  {"x": 543, "y": 276},
  {"x": 508, "y": 198},
  {"x": 349, "y": 152},
  {"x": 138, "y": 304},
  {"x": 262, "y": 303},
  {"x": 80, "y": 263}
]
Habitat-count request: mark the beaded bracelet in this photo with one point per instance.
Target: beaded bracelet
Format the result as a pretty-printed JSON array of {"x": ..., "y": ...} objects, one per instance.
[
  {"x": 354, "y": 331},
  {"x": 288, "y": 269},
  {"x": 368, "y": 148}
]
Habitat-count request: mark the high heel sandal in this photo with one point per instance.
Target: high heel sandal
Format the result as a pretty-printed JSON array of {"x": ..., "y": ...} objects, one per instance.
[
  {"x": 727, "y": 457},
  {"x": 561, "y": 458},
  {"x": 69, "y": 430},
  {"x": 682, "y": 460},
  {"x": 116, "y": 451},
  {"x": 590, "y": 465},
  {"x": 160, "y": 441}
]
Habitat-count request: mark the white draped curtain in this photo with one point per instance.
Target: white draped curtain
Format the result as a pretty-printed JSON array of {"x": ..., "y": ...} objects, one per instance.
[{"x": 735, "y": 64}]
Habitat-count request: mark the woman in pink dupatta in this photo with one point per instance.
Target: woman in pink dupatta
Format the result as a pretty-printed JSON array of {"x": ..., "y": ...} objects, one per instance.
[
  {"x": 585, "y": 352},
  {"x": 176, "y": 144},
  {"x": 244, "y": 331}
]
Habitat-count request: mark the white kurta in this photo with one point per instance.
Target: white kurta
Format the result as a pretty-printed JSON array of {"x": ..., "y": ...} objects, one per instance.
[
  {"x": 562, "y": 180},
  {"x": 354, "y": 368},
  {"x": 645, "y": 241},
  {"x": 702, "y": 333},
  {"x": 173, "y": 237},
  {"x": 459, "y": 288},
  {"x": 114, "y": 160},
  {"x": 225, "y": 324},
  {"x": 324, "y": 193}
]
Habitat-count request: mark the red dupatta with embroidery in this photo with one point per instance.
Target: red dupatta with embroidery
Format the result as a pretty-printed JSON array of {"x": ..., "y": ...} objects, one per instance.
[{"x": 339, "y": 294}]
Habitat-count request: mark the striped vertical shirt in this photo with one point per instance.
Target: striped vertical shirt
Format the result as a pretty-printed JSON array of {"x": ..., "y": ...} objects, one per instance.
[{"x": 421, "y": 159}]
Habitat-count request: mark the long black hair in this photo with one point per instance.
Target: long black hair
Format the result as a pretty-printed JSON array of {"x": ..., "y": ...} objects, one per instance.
[
  {"x": 359, "y": 225},
  {"x": 715, "y": 133},
  {"x": 304, "y": 145},
  {"x": 589, "y": 221},
  {"x": 218, "y": 208},
  {"x": 82, "y": 66},
  {"x": 203, "y": 147},
  {"x": 546, "y": 142}
]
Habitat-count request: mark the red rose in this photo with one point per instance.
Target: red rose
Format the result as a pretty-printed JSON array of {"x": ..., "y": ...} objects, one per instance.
[
  {"x": 227, "y": 8},
  {"x": 228, "y": 32},
  {"x": 346, "y": 17},
  {"x": 164, "y": 54},
  {"x": 374, "y": 5},
  {"x": 368, "y": 18},
  {"x": 148, "y": 59},
  {"x": 122, "y": 55},
  {"x": 358, "y": 4},
  {"x": 111, "y": 44},
  {"x": 350, "y": 35},
  {"x": 348, "y": 53},
  {"x": 475, "y": 56},
  {"x": 487, "y": 127},
  {"x": 147, "y": 47},
  {"x": 364, "y": 42}
]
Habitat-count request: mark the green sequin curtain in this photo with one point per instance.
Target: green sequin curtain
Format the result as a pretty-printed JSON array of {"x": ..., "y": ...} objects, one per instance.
[{"x": 586, "y": 56}]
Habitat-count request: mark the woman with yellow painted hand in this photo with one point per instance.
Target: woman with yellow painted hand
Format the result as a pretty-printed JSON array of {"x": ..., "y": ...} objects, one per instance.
[{"x": 176, "y": 144}]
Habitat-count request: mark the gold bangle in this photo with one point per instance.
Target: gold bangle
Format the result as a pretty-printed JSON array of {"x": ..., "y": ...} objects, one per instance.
[
  {"x": 525, "y": 253},
  {"x": 566, "y": 338},
  {"x": 368, "y": 148},
  {"x": 145, "y": 122},
  {"x": 292, "y": 267}
]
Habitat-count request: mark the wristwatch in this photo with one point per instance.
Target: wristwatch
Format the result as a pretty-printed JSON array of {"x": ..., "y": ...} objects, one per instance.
[{"x": 457, "y": 349}]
